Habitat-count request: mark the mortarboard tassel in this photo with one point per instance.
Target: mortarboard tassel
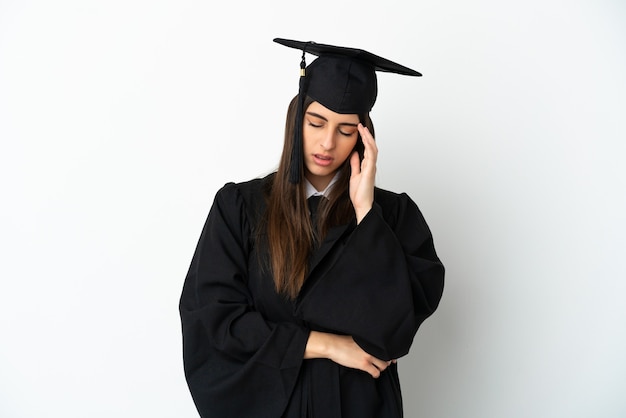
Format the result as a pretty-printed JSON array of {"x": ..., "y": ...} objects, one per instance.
[{"x": 295, "y": 170}]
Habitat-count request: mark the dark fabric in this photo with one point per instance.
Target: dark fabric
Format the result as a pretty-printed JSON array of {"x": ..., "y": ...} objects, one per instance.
[
  {"x": 378, "y": 63},
  {"x": 342, "y": 85},
  {"x": 314, "y": 203},
  {"x": 243, "y": 344},
  {"x": 343, "y": 79}
]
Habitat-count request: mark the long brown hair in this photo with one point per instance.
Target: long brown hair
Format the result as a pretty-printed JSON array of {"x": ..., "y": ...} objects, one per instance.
[{"x": 290, "y": 233}]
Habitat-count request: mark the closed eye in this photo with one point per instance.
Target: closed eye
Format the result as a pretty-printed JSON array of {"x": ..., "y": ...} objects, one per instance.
[{"x": 344, "y": 133}]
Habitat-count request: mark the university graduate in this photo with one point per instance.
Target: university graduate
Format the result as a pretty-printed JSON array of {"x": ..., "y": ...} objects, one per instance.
[{"x": 307, "y": 285}]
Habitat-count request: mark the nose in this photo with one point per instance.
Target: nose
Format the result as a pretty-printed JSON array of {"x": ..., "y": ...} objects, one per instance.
[{"x": 328, "y": 142}]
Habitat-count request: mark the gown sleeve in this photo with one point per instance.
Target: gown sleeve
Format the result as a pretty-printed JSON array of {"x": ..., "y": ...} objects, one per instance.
[
  {"x": 385, "y": 282},
  {"x": 233, "y": 357}
]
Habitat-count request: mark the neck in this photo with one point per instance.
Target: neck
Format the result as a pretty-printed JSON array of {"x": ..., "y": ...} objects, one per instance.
[{"x": 320, "y": 183}]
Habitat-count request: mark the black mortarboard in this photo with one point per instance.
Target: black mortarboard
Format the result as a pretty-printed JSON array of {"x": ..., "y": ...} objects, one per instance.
[{"x": 341, "y": 79}]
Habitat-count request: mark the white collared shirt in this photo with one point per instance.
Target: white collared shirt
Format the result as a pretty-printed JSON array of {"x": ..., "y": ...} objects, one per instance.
[{"x": 312, "y": 191}]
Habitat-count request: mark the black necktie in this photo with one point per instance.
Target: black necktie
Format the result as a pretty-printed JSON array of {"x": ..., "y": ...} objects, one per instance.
[{"x": 314, "y": 202}]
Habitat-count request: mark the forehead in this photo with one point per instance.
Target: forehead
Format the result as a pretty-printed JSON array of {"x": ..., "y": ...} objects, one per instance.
[{"x": 321, "y": 110}]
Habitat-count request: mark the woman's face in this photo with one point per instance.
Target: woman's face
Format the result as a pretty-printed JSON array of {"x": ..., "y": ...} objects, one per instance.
[{"x": 328, "y": 140}]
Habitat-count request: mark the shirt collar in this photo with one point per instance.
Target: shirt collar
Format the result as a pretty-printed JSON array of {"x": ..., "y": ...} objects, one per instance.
[{"x": 312, "y": 191}]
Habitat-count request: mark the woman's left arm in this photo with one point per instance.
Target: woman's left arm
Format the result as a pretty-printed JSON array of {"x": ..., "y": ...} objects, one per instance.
[{"x": 386, "y": 279}]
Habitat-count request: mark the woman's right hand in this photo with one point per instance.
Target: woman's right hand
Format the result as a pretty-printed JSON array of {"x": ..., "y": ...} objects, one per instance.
[{"x": 343, "y": 350}]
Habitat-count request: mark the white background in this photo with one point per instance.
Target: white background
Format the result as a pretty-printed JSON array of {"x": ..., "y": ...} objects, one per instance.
[{"x": 119, "y": 120}]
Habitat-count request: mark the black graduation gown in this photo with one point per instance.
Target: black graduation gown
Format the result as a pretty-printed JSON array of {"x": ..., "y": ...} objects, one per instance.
[{"x": 243, "y": 344}]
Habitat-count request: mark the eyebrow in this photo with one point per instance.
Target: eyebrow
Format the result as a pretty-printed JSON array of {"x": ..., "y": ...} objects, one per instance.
[{"x": 323, "y": 118}]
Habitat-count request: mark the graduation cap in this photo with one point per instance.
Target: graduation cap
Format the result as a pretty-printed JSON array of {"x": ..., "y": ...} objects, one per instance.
[{"x": 341, "y": 79}]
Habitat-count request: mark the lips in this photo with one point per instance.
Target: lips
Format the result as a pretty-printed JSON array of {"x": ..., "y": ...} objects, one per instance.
[{"x": 323, "y": 160}]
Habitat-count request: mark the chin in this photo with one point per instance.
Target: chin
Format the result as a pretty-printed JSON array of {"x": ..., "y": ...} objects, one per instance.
[{"x": 323, "y": 172}]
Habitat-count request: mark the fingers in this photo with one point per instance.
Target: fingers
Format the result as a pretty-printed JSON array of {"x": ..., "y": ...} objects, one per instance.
[
  {"x": 371, "y": 150},
  {"x": 375, "y": 366},
  {"x": 373, "y": 371},
  {"x": 365, "y": 133},
  {"x": 355, "y": 163},
  {"x": 342, "y": 349}
]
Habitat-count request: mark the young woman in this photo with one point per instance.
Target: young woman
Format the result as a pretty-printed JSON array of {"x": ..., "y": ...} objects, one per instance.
[{"x": 308, "y": 284}]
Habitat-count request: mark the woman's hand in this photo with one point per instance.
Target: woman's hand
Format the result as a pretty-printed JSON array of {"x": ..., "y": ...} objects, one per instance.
[
  {"x": 363, "y": 175},
  {"x": 343, "y": 350}
]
